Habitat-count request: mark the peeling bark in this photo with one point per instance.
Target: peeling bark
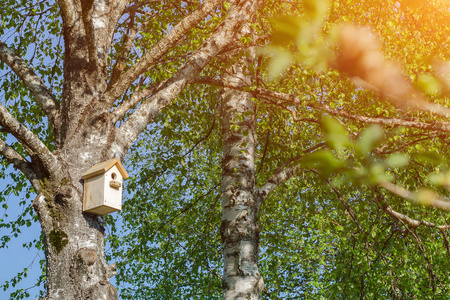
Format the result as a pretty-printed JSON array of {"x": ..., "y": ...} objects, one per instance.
[
  {"x": 239, "y": 228},
  {"x": 85, "y": 134},
  {"x": 74, "y": 241}
]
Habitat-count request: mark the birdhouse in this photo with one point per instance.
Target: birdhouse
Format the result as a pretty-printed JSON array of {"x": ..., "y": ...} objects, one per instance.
[{"x": 103, "y": 185}]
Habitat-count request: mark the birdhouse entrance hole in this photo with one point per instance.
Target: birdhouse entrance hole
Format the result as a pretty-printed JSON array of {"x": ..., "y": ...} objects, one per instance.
[{"x": 114, "y": 183}]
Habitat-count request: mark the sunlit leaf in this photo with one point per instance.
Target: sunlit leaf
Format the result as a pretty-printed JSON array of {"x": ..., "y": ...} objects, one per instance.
[
  {"x": 370, "y": 137},
  {"x": 323, "y": 159},
  {"x": 428, "y": 84},
  {"x": 397, "y": 160},
  {"x": 286, "y": 28},
  {"x": 316, "y": 9},
  {"x": 336, "y": 135},
  {"x": 280, "y": 60},
  {"x": 425, "y": 196}
]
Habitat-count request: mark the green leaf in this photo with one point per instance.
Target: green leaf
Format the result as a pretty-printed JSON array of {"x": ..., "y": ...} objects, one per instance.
[
  {"x": 281, "y": 59},
  {"x": 425, "y": 196},
  {"x": 316, "y": 9},
  {"x": 369, "y": 139},
  {"x": 440, "y": 179},
  {"x": 323, "y": 159},
  {"x": 429, "y": 157},
  {"x": 397, "y": 160},
  {"x": 286, "y": 29},
  {"x": 428, "y": 84},
  {"x": 377, "y": 173},
  {"x": 335, "y": 134}
]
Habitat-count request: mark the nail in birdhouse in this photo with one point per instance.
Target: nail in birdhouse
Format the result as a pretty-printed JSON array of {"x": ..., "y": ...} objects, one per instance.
[{"x": 103, "y": 185}]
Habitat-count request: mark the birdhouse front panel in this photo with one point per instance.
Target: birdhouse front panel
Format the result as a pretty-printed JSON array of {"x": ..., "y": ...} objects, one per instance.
[
  {"x": 113, "y": 188},
  {"x": 103, "y": 185}
]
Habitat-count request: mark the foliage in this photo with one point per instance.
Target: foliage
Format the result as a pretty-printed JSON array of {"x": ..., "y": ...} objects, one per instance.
[
  {"x": 330, "y": 232},
  {"x": 325, "y": 234},
  {"x": 173, "y": 207}
]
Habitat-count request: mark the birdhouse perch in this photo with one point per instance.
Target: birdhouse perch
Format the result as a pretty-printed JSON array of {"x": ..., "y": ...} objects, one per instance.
[{"x": 103, "y": 185}]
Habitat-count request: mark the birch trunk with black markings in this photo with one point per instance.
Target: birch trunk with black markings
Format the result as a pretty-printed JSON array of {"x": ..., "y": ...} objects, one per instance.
[
  {"x": 239, "y": 228},
  {"x": 85, "y": 131}
]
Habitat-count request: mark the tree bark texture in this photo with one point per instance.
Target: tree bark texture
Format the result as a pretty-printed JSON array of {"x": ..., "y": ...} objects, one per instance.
[
  {"x": 85, "y": 133},
  {"x": 239, "y": 228},
  {"x": 76, "y": 268}
]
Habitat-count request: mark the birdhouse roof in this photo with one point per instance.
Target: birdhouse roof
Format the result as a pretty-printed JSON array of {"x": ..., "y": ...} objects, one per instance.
[{"x": 103, "y": 167}]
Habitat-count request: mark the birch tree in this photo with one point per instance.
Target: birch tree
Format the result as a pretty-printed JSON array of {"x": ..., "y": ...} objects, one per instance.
[
  {"x": 95, "y": 109},
  {"x": 328, "y": 228},
  {"x": 117, "y": 65}
]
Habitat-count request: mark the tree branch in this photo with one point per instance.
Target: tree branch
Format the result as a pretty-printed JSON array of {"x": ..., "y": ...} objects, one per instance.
[
  {"x": 137, "y": 122},
  {"x": 441, "y": 126},
  {"x": 87, "y": 8},
  {"x": 412, "y": 223},
  {"x": 294, "y": 100},
  {"x": 99, "y": 20},
  {"x": 135, "y": 98},
  {"x": 284, "y": 173},
  {"x": 132, "y": 8},
  {"x": 127, "y": 43},
  {"x": 428, "y": 199},
  {"x": 68, "y": 11},
  {"x": 32, "y": 82},
  {"x": 28, "y": 139},
  {"x": 152, "y": 56},
  {"x": 18, "y": 161}
]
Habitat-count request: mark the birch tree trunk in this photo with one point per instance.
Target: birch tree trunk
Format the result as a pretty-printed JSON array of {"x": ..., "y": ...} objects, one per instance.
[
  {"x": 84, "y": 122},
  {"x": 239, "y": 228}
]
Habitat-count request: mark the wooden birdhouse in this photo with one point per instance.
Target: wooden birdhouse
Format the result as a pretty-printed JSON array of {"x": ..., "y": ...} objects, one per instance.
[{"x": 103, "y": 185}]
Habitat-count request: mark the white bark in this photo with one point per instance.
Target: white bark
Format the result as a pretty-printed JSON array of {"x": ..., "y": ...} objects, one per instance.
[
  {"x": 239, "y": 228},
  {"x": 74, "y": 250},
  {"x": 68, "y": 11},
  {"x": 156, "y": 52},
  {"x": 29, "y": 140},
  {"x": 20, "y": 163},
  {"x": 239, "y": 14},
  {"x": 100, "y": 18},
  {"x": 85, "y": 134}
]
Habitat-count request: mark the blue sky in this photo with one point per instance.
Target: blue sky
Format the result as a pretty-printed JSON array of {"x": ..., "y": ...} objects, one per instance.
[{"x": 15, "y": 258}]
